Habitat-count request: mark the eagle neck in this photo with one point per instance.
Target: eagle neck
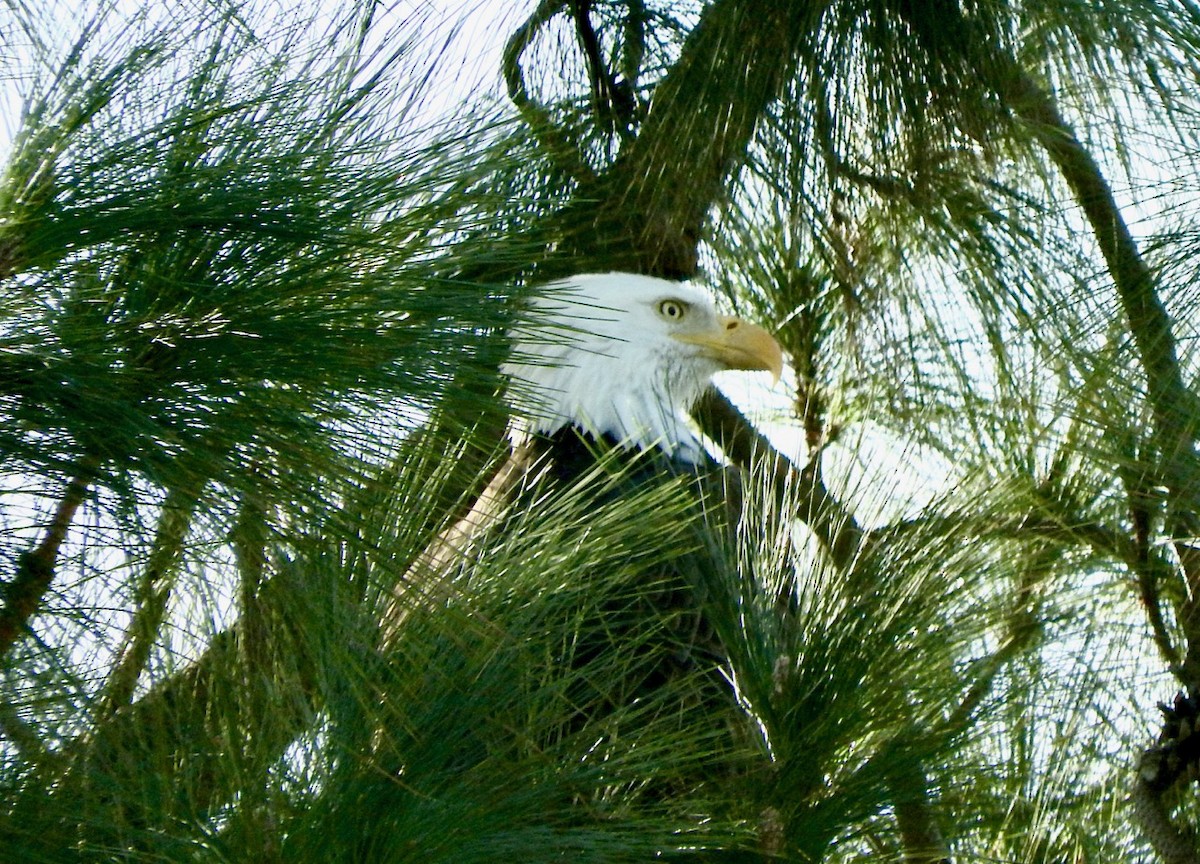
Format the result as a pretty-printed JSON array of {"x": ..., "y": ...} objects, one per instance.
[{"x": 574, "y": 451}]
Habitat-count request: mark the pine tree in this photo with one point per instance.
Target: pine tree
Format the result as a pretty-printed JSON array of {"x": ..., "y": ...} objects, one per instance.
[{"x": 256, "y": 282}]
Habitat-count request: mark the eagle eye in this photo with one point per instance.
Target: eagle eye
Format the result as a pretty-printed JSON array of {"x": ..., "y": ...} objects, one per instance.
[{"x": 672, "y": 310}]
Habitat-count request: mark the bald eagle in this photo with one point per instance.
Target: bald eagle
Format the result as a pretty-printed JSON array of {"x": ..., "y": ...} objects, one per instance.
[
  {"x": 600, "y": 364},
  {"x": 602, "y": 372}
]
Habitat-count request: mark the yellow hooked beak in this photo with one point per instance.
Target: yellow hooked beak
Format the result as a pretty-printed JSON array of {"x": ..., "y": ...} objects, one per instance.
[{"x": 738, "y": 344}]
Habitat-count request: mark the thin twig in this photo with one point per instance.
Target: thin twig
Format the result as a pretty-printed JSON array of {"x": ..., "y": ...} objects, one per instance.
[
  {"x": 554, "y": 140},
  {"x": 612, "y": 104}
]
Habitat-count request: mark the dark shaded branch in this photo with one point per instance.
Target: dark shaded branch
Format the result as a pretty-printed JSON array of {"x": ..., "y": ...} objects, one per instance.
[
  {"x": 1171, "y": 844},
  {"x": 818, "y": 508},
  {"x": 35, "y": 569},
  {"x": 23, "y": 737},
  {"x": 907, "y": 785},
  {"x": 1146, "y": 562},
  {"x": 600, "y": 82},
  {"x": 647, "y": 213},
  {"x": 612, "y": 101},
  {"x": 1175, "y": 756},
  {"x": 634, "y": 44},
  {"x": 10, "y": 257},
  {"x": 920, "y": 837}
]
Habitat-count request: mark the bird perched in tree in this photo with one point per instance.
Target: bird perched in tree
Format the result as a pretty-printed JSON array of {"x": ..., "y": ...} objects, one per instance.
[
  {"x": 602, "y": 364},
  {"x": 602, "y": 373},
  {"x": 619, "y": 644}
]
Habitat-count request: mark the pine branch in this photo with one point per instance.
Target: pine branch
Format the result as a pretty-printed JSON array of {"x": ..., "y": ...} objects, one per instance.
[
  {"x": 198, "y": 740},
  {"x": 746, "y": 446},
  {"x": 1173, "y": 758},
  {"x": 634, "y": 44},
  {"x": 1173, "y": 407},
  {"x": 648, "y": 211},
  {"x": 1172, "y": 404},
  {"x": 154, "y": 592},
  {"x": 555, "y": 141},
  {"x": 24, "y": 738},
  {"x": 1146, "y": 563},
  {"x": 612, "y": 103},
  {"x": 10, "y": 257},
  {"x": 920, "y": 836},
  {"x": 1172, "y": 845},
  {"x": 35, "y": 569}
]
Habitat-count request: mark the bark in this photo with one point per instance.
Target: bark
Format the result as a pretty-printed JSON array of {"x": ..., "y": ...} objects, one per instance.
[
  {"x": 828, "y": 519},
  {"x": 648, "y": 213},
  {"x": 920, "y": 837},
  {"x": 154, "y": 592},
  {"x": 1171, "y": 844}
]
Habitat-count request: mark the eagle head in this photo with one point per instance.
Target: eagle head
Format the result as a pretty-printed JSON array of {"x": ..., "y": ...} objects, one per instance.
[{"x": 626, "y": 356}]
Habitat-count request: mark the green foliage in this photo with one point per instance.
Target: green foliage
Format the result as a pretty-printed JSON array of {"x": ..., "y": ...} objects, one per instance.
[{"x": 255, "y": 269}]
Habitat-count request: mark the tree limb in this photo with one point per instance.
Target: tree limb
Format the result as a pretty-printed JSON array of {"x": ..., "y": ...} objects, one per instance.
[
  {"x": 1171, "y": 844},
  {"x": 1174, "y": 757},
  {"x": 613, "y": 101},
  {"x": 920, "y": 837},
  {"x": 828, "y": 519},
  {"x": 1173, "y": 406},
  {"x": 1146, "y": 562},
  {"x": 35, "y": 568},
  {"x": 647, "y": 213}
]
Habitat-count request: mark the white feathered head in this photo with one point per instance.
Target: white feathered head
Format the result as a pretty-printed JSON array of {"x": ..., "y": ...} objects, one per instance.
[{"x": 626, "y": 356}]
